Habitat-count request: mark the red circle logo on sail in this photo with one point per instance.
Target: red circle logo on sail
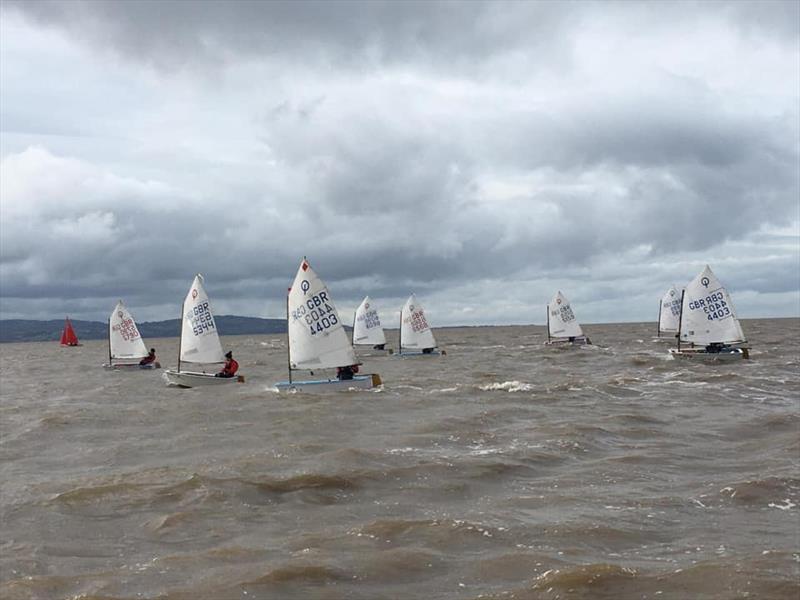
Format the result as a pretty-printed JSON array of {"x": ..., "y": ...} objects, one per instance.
[{"x": 194, "y": 294}]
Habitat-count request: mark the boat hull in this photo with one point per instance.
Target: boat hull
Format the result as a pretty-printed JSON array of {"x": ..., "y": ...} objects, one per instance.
[
  {"x": 578, "y": 341},
  {"x": 416, "y": 353},
  {"x": 189, "y": 379},
  {"x": 359, "y": 382},
  {"x": 136, "y": 365},
  {"x": 372, "y": 352},
  {"x": 706, "y": 356}
]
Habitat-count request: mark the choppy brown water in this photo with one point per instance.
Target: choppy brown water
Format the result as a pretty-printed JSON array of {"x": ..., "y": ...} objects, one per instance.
[{"x": 504, "y": 470}]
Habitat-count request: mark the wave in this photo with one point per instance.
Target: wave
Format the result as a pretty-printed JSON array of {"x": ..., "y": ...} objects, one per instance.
[{"x": 507, "y": 386}]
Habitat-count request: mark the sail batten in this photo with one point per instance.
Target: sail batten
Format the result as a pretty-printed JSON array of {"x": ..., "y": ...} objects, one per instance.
[
  {"x": 317, "y": 338},
  {"x": 415, "y": 333}
]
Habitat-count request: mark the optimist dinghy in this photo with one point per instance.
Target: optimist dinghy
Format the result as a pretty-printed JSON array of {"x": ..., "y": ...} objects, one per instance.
[
  {"x": 416, "y": 336},
  {"x": 68, "y": 337},
  {"x": 562, "y": 326},
  {"x": 199, "y": 342},
  {"x": 669, "y": 309},
  {"x": 317, "y": 339},
  {"x": 707, "y": 325},
  {"x": 368, "y": 336},
  {"x": 124, "y": 342}
]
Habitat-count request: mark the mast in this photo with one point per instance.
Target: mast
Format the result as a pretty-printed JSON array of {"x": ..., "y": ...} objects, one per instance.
[
  {"x": 288, "y": 347},
  {"x": 110, "y": 360},
  {"x": 658, "y": 322},
  {"x": 180, "y": 337},
  {"x": 680, "y": 319},
  {"x": 547, "y": 310},
  {"x": 353, "y": 335},
  {"x": 400, "y": 334}
]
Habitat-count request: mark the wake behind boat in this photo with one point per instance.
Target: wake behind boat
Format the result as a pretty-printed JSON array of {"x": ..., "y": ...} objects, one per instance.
[
  {"x": 707, "y": 325},
  {"x": 125, "y": 344},
  {"x": 317, "y": 339},
  {"x": 199, "y": 342},
  {"x": 562, "y": 326}
]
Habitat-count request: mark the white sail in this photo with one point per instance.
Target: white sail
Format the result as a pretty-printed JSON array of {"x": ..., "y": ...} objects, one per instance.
[
  {"x": 562, "y": 322},
  {"x": 414, "y": 329},
  {"x": 670, "y": 311},
  {"x": 199, "y": 336},
  {"x": 317, "y": 338},
  {"x": 123, "y": 335},
  {"x": 367, "y": 326},
  {"x": 707, "y": 313}
]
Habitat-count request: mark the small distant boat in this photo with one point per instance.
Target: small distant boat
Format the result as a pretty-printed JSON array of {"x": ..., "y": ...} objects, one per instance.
[
  {"x": 124, "y": 342},
  {"x": 416, "y": 336},
  {"x": 669, "y": 310},
  {"x": 707, "y": 325},
  {"x": 562, "y": 326},
  {"x": 199, "y": 342},
  {"x": 368, "y": 336},
  {"x": 317, "y": 339},
  {"x": 68, "y": 337}
]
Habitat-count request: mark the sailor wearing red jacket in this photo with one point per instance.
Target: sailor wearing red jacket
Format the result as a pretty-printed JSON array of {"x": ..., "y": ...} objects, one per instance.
[{"x": 230, "y": 368}]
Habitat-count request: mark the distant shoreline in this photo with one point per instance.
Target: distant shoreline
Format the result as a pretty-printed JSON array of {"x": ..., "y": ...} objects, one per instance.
[{"x": 31, "y": 330}]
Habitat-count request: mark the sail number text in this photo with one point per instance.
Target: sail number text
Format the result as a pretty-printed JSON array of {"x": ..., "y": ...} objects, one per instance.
[
  {"x": 370, "y": 319},
  {"x": 127, "y": 329},
  {"x": 713, "y": 306},
  {"x": 418, "y": 321},
  {"x": 564, "y": 313},
  {"x": 200, "y": 319},
  {"x": 317, "y": 313}
]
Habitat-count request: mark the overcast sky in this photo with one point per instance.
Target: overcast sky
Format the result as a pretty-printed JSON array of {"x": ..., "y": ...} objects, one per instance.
[{"x": 482, "y": 155}]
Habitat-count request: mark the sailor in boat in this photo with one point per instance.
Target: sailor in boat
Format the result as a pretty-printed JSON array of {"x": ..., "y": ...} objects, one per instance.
[
  {"x": 149, "y": 359},
  {"x": 230, "y": 367},
  {"x": 379, "y": 347},
  {"x": 717, "y": 347},
  {"x": 346, "y": 373}
]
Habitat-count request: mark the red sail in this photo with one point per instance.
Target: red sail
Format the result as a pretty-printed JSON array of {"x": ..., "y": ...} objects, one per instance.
[{"x": 68, "y": 337}]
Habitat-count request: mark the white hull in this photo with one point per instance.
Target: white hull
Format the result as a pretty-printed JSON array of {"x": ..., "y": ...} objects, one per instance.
[
  {"x": 359, "y": 382},
  {"x": 726, "y": 355},
  {"x": 578, "y": 341},
  {"x": 151, "y": 366},
  {"x": 188, "y": 379},
  {"x": 415, "y": 353},
  {"x": 369, "y": 352}
]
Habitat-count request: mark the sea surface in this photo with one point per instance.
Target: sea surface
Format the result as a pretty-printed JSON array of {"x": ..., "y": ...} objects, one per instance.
[{"x": 504, "y": 470}]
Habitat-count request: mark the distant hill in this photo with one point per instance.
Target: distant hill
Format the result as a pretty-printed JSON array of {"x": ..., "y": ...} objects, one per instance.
[{"x": 24, "y": 330}]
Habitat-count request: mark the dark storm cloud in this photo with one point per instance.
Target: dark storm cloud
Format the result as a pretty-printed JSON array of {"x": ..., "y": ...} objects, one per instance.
[{"x": 431, "y": 147}]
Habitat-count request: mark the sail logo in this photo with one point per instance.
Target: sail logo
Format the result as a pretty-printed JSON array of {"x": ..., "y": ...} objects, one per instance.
[
  {"x": 194, "y": 294},
  {"x": 705, "y": 281},
  {"x": 305, "y": 286}
]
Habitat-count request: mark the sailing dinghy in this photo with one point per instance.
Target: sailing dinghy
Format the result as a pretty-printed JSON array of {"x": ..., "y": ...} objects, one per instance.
[
  {"x": 368, "y": 336},
  {"x": 707, "y": 325},
  {"x": 416, "y": 336},
  {"x": 68, "y": 337},
  {"x": 669, "y": 309},
  {"x": 317, "y": 339},
  {"x": 199, "y": 343},
  {"x": 562, "y": 326},
  {"x": 124, "y": 342}
]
